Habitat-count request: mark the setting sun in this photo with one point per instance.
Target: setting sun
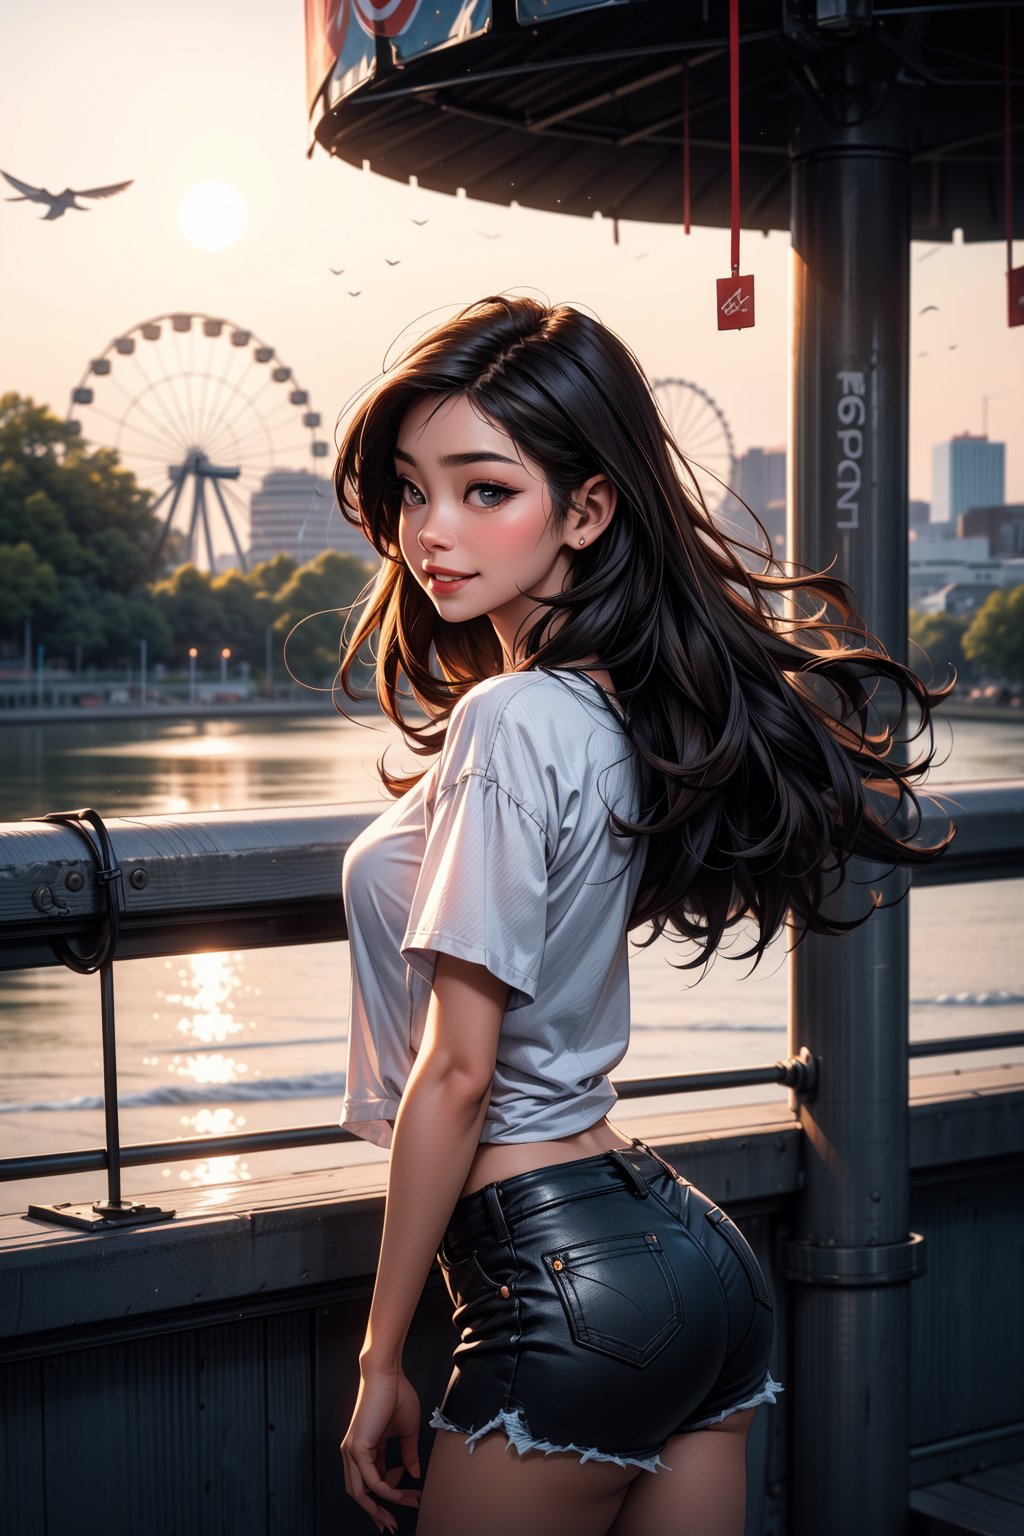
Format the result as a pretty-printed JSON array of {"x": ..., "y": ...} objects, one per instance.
[{"x": 213, "y": 215}]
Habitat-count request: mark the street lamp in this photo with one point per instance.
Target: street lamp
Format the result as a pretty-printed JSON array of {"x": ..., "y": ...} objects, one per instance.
[
  {"x": 193, "y": 653},
  {"x": 225, "y": 657}
]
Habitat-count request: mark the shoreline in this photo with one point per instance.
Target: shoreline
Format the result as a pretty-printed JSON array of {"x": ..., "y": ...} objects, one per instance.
[
  {"x": 999, "y": 714},
  {"x": 254, "y": 709}
]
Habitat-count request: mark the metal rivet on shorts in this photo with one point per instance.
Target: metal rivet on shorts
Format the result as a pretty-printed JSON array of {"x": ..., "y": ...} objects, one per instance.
[
  {"x": 651, "y": 1237},
  {"x": 556, "y": 1263},
  {"x": 505, "y": 1292}
]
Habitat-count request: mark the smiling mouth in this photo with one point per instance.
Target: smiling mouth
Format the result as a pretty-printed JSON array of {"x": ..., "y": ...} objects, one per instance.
[{"x": 438, "y": 582}]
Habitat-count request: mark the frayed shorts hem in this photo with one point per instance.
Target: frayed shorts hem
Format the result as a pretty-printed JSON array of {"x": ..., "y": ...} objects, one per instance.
[
  {"x": 515, "y": 1427},
  {"x": 767, "y": 1394}
]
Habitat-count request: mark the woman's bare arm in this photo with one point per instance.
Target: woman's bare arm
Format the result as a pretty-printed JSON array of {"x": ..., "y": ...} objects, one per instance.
[{"x": 437, "y": 1131}]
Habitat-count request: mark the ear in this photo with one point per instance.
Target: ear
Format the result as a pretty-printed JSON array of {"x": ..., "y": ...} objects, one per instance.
[{"x": 593, "y": 506}]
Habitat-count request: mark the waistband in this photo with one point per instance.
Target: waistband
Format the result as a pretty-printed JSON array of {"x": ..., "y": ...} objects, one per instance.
[{"x": 492, "y": 1210}]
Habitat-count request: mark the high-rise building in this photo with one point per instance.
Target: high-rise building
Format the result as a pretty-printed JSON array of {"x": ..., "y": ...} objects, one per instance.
[
  {"x": 760, "y": 481},
  {"x": 968, "y": 471},
  {"x": 1002, "y": 526},
  {"x": 296, "y": 513}
]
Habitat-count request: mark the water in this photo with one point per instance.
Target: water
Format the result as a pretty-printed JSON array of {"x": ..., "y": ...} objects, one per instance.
[{"x": 213, "y": 1043}]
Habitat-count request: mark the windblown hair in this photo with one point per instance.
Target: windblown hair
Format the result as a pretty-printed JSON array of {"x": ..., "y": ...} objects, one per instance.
[{"x": 765, "y": 764}]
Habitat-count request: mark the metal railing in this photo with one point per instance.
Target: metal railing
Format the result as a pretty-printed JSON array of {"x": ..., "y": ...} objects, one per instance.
[{"x": 253, "y": 880}]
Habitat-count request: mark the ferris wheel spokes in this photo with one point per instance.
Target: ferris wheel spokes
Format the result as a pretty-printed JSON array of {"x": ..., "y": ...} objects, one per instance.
[{"x": 201, "y": 406}]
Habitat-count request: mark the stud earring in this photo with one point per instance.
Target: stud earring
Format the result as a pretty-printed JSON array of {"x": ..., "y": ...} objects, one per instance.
[{"x": 583, "y": 541}]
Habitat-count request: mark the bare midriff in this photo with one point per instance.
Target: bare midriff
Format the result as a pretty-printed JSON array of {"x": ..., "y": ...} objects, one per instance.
[
  {"x": 495, "y": 1160},
  {"x": 501, "y": 1160}
]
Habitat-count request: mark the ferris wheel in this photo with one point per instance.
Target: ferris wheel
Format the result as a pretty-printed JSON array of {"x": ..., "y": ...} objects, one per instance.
[
  {"x": 704, "y": 436},
  {"x": 201, "y": 410}
]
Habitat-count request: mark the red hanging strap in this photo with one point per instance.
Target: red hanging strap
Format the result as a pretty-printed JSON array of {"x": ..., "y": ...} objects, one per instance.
[
  {"x": 735, "y": 294},
  {"x": 1014, "y": 279},
  {"x": 734, "y": 126},
  {"x": 1007, "y": 139},
  {"x": 686, "y": 146}
]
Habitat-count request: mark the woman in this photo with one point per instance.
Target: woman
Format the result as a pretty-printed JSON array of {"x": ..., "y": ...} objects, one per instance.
[{"x": 627, "y": 727}]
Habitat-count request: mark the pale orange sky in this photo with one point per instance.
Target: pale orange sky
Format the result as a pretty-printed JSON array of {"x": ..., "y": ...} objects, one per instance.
[{"x": 174, "y": 95}]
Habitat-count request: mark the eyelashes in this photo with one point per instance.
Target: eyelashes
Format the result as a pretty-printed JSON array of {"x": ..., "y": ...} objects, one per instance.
[{"x": 502, "y": 493}]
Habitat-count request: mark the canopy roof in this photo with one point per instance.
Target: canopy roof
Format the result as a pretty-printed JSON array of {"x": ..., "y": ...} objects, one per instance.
[{"x": 576, "y": 106}]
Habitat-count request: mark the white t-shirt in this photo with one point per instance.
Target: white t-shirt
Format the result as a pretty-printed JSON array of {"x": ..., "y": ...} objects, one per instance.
[{"x": 504, "y": 854}]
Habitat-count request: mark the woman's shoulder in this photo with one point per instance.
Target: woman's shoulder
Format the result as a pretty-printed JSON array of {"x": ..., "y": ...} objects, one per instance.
[
  {"x": 506, "y": 726},
  {"x": 521, "y": 696}
]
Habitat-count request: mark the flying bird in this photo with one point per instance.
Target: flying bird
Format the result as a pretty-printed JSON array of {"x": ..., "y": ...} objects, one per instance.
[
  {"x": 925, "y": 254},
  {"x": 421, "y": 222},
  {"x": 356, "y": 294},
  {"x": 927, "y": 308},
  {"x": 396, "y": 263},
  {"x": 336, "y": 270},
  {"x": 58, "y": 203},
  {"x": 495, "y": 236}
]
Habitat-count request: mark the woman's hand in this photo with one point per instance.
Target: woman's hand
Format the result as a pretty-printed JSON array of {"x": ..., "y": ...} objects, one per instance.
[{"x": 386, "y": 1405}]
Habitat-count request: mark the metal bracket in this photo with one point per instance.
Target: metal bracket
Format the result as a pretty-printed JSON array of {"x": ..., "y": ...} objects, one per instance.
[
  {"x": 799, "y": 1072},
  {"x": 100, "y": 1214},
  {"x": 109, "y": 877},
  {"x": 881, "y": 1264}
]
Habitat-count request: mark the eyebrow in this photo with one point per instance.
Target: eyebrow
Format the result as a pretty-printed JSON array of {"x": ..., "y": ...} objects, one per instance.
[{"x": 453, "y": 460}]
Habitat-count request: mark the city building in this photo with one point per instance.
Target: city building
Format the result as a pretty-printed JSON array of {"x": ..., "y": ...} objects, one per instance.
[
  {"x": 296, "y": 513},
  {"x": 918, "y": 513},
  {"x": 968, "y": 471},
  {"x": 760, "y": 481},
  {"x": 938, "y": 563},
  {"x": 1002, "y": 526}
]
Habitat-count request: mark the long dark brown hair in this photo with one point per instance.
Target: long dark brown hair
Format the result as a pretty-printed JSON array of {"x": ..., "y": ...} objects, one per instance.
[{"x": 766, "y": 761}]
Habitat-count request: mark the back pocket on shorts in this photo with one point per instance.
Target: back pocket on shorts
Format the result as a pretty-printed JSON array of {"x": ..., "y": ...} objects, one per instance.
[{"x": 619, "y": 1294}]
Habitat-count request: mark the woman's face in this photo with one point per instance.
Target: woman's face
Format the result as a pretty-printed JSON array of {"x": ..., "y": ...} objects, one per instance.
[{"x": 472, "y": 503}]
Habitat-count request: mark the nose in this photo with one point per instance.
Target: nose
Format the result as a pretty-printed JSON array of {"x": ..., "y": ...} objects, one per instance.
[{"x": 434, "y": 533}]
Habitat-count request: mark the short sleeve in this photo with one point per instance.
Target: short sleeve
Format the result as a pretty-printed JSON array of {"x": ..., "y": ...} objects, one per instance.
[{"x": 482, "y": 890}]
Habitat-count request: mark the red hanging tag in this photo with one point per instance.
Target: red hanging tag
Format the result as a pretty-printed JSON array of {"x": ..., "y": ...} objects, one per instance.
[
  {"x": 735, "y": 293},
  {"x": 1014, "y": 275},
  {"x": 735, "y": 302},
  {"x": 1015, "y": 295}
]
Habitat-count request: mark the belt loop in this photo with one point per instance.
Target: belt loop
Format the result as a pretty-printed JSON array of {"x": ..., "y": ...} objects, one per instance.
[
  {"x": 638, "y": 1183},
  {"x": 656, "y": 1155},
  {"x": 496, "y": 1214}
]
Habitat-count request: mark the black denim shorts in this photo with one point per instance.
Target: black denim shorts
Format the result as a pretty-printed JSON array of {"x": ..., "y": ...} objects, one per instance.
[{"x": 602, "y": 1306}]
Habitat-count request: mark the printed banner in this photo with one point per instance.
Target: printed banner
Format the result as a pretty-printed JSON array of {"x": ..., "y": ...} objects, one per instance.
[
  {"x": 439, "y": 24},
  {"x": 340, "y": 40},
  {"x": 341, "y": 36}
]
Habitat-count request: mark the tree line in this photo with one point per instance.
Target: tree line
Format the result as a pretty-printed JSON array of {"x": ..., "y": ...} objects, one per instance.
[
  {"x": 78, "y": 542},
  {"x": 78, "y": 564}
]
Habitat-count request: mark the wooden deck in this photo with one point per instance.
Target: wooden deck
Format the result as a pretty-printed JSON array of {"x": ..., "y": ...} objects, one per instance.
[{"x": 988, "y": 1503}]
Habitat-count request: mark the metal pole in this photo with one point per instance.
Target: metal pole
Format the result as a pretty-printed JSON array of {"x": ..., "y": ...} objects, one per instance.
[
  {"x": 111, "y": 1125},
  {"x": 852, "y": 1256},
  {"x": 40, "y": 674},
  {"x": 142, "y": 674}
]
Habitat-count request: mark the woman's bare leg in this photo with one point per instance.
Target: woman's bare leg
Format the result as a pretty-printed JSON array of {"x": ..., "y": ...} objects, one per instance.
[
  {"x": 495, "y": 1489},
  {"x": 705, "y": 1494}
]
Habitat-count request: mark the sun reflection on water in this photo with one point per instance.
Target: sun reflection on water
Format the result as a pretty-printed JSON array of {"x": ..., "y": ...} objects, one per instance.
[{"x": 209, "y": 983}]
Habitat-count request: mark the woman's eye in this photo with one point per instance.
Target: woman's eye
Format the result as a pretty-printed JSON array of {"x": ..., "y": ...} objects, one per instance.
[
  {"x": 491, "y": 495},
  {"x": 407, "y": 488},
  {"x": 499, "y": 493}
]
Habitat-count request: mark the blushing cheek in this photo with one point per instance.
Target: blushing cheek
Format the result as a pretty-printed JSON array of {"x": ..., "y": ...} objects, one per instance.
[{"x": 514, "y": 540}]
